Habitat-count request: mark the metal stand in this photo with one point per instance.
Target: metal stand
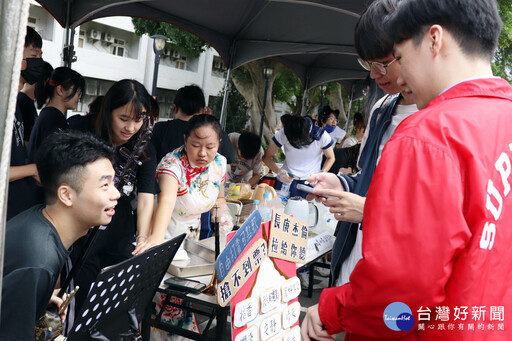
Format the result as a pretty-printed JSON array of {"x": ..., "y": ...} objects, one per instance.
[
  {"x": 121, "y": 293},
  {"x": 193, "y": 303}
]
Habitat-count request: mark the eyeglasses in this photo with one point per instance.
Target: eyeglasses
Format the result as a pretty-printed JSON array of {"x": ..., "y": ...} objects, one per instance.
[
  {"x": 379, "y": 67},
  {"x": 332, "y": 119}
]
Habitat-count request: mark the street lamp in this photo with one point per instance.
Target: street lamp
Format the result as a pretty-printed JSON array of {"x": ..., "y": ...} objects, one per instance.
[
  {"x": 158, "y": 47},
  {"x": 267, "y": 72},
  {"x": 323, "y": 88}
]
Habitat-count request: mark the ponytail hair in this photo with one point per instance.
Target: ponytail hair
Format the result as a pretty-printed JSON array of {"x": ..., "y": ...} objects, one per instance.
[
  {"x": 65, "y": 77},
  {"x": 40, "y": 93}
]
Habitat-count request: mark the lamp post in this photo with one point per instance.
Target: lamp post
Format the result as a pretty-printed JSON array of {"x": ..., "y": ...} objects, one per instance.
[
  {"x": 158, "y": 47},
  {"x": 323, "y": 88},
  {"x": 267, "y": 72}
]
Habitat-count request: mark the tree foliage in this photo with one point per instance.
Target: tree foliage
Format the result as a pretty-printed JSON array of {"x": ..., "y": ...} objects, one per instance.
[
  {"x": 502, "y": 65},
  {"x": 236, "y": 110},
  {"x": 288, "y": 89},
  {"x": 180, "y": 40},
  {"x": 245, "y": 102}
]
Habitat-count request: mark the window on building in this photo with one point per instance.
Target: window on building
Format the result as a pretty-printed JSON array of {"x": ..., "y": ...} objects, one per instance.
[
  {"x": 165, "y": 99},
  {"x": 118, "y": 48},
  {"x": 218, "y": 67},
  {"x": 180, "y": 64},
  {"x": 81, "y": 38},
  {"x": 32, "y": 22}
]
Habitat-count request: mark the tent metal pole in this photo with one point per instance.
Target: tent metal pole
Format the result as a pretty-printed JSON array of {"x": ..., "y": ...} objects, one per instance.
[
  {"x": 262, "y": 117},
  {"x": 349, "y": 108},
  {"x": 303, "y": 111},
  {"x": 227, "y": 89},
  {"x": 68, "y": 53}
]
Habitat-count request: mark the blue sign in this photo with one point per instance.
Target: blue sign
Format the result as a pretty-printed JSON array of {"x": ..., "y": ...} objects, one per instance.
[{"x": 235, "y": 247}]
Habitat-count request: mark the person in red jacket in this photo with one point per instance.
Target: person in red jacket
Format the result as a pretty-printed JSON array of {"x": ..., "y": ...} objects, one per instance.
[{"x": 436, "y": 261}]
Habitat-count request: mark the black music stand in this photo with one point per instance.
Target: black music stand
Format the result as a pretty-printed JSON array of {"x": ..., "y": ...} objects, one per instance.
[{"x": 122, "y": 290}]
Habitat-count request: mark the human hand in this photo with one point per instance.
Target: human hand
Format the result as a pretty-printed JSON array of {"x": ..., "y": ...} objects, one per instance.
[
  {"x": 321, "y": 181},
  {"x": 312, "y": 327},
  {"x": 54, "y": 299},
  {"x": 35, "y": 174},
  {"x": 145, "y": 243},
  {"x": 225, "y": 223},
  {"x": 207, "y": 110},
  {"x": 284, "y": 177},
  {"x": 346, "y": 206}
]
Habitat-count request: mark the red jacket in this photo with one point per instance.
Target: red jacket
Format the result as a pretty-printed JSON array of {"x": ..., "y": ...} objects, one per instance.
[{"x": 438, "y": 224}]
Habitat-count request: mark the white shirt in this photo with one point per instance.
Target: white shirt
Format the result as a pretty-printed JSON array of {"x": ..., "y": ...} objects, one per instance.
[
  {"x": 306, "y": 160},
  {"x": 338, "y": 134},
  {"x": 401, "y": 112}
]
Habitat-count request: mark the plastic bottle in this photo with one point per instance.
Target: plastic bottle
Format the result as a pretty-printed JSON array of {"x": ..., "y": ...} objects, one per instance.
[
  {"x": 255, "y": 205},
  {"x": 265, "y": 210},
  {"x": 284, "y": 192}
]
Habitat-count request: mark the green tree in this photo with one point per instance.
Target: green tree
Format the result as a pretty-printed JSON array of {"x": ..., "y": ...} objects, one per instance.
[
  {"x": 236, "y": 110},
  {"x": 502, "y": 65},
  {"x": 250, "y": 82},
  {"x": 288, "y": 89},
  {"x": 283, "y": 85},
  {"x": 179, "y": 39}
]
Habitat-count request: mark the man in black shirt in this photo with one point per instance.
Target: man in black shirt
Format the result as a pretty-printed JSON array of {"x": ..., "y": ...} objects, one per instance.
[
  {"x": 169, "y": 135},
  {"x": 21, "y": 175},
  {"x": 78, "y": 180}
]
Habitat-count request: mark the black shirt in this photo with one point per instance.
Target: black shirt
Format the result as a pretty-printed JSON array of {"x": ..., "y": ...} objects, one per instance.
[
  {"x": 28, "y": 113},
  {"x": 50, "y": 119},
  {"x": 34, "y": 255},
  {"x": 21, "y": 193},
  {"x": 81, "y": 123},
  {"x": 169, "y": 135}
]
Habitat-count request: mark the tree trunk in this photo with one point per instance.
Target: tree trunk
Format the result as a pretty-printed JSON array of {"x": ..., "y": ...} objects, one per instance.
[
  {"x": 251, "y": 84},
  {"x": 336, "y": 98}
]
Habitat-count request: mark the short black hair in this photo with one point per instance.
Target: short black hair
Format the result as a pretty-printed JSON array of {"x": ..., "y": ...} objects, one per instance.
[
  {"x": 372, "y": 36},
  {"x": 358, "y": 120},
  {"x": 249, "y": 145},
  {"x": 190, "y": 99},
  {"x": 198, "y": 121},
  {"x": 296, "y": 129},
  {"x": 475, "y": 25},
  {"x": 32, "y": 38},
  {"x": 62, "y": 158}
]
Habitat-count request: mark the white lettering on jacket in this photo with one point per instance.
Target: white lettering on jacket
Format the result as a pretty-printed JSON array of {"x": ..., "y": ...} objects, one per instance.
[{"x": 494, "y": 201}]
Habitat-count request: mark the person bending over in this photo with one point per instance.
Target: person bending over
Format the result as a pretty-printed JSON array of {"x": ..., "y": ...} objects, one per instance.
[{"x": 78, "y": 180}]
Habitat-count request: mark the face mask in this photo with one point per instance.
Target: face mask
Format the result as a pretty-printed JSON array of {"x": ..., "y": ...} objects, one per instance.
[
  {"x": 329, "y": 128},
  {"x": 34, "y": 70}
]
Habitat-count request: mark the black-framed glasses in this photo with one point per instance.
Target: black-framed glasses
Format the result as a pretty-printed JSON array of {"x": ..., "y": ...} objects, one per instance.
[{"x": 379, "y": 67}]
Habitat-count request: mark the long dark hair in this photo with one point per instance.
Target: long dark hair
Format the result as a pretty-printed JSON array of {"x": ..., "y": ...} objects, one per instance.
[
  {"x": 296, "y": 129},
  {"x": 64, "y": 76},
  {"x": 126, "y": 91}
]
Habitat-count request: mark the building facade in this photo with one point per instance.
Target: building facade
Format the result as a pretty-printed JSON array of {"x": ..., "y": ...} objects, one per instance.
[{"x": 107, "y": 50}]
